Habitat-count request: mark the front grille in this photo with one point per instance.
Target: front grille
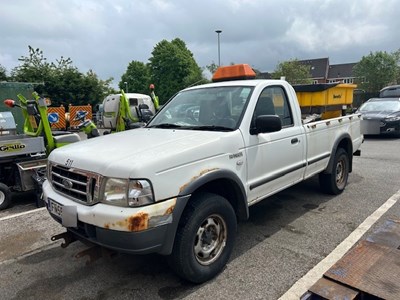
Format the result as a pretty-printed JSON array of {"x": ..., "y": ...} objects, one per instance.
[{"x": 79, "y": 185}]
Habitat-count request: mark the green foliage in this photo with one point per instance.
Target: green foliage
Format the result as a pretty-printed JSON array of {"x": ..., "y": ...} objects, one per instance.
[
  {"x": 376, "y": 71},
  {"x": 173, "y": 68},
  {"x": 60, "y": 80},
  {"x": 396, "y": 55},
  {"x": 212, "y": 67},
  {"x": 293, "y": 71},
  {"x": 3, "y": 73},
  {"x": 137, "y": 78},
  {"x": 33, "y": 68}
]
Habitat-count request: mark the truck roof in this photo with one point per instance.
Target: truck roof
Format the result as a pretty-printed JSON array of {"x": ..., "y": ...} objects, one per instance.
[
  {"x": 248, "y": 82},
  {"x": 235, "y": 75}
]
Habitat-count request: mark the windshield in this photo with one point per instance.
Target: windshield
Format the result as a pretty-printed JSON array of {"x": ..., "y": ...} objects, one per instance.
[
  {"x": 213, "y": 108},
  {"x": 380, "y": 105}
]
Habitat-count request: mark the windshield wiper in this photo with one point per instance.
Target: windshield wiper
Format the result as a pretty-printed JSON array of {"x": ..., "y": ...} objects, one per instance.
[
  {"x": 212, "y": 128},
  {"x": 165, "y": 125}
]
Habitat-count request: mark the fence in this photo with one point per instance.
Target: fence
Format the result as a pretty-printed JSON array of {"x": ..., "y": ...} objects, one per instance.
[{"x": 10, "y": 90}]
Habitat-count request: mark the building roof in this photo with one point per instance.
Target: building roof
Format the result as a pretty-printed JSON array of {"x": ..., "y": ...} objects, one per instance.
[
  {"x": 318, "y": 67},
  {"x": 341, "y": 71}
]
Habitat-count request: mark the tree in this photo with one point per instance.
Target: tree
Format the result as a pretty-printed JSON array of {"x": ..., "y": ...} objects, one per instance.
[
  {"x": 62, "y": 82},
  {"x": 376, "y": 71},
  {"x": 137, "y": 78},
  {"x": 212, "y": 67},
  {"x": 33, "y": 68},
  {"x": 396, "y": 55},
  {"x": 173, "y": 68},
  {"x": 293, "y": 71},
  {"x": 3, "y": 73}
]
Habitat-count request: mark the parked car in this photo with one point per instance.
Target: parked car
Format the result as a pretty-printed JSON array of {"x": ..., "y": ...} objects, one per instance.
[
  {"x": 381, "y": 116},
  {"x": 390, "y": 91}
]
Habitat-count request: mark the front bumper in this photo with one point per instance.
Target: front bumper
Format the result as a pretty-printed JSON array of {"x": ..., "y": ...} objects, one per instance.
[
  {"x": 379, "y": 126},
  {"x": 148, "y": 229},
  {"x": 390, "y": 127}
]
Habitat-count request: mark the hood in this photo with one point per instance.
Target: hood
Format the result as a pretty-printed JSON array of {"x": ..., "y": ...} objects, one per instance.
[
  {"x": 378, "y": 115},
  {"x": 143, "y": 151}
]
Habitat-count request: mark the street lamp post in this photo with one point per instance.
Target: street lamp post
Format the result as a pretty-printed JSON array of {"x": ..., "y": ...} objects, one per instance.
[
  {"x": 126, "y": 86},
  {"x": 219, "y": 51}
]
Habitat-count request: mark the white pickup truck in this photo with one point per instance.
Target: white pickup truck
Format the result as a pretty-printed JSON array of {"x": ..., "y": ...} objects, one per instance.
[{"x": 179, "y": 185}]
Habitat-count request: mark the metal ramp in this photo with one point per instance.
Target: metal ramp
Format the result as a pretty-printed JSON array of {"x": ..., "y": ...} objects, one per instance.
[{"x": 370, "y": 270}]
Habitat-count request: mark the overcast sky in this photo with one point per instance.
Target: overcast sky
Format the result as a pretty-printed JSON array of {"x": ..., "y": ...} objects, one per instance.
[{"x": 105, "y": 35}]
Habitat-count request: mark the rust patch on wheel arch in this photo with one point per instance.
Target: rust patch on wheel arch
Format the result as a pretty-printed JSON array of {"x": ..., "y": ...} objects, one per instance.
[
  {"x": 195, "y": 177},
  {"x": 169, "y": 210}
]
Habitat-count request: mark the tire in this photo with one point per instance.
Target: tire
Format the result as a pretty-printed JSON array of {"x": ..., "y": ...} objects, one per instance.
[
  {"x": 5, "y": 196},
  {"x": 335, "y": 182},
  {"x": 205, "y": 238}
]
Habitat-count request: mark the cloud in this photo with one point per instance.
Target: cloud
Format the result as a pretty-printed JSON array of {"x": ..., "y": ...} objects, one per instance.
[{"x": 106, "y": 35}]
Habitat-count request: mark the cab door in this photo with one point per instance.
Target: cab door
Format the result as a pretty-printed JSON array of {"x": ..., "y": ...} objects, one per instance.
[{"x": 275, "y": 160}]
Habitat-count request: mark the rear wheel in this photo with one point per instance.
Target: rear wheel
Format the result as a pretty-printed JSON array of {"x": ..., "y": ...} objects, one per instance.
[
  {"x": 5, "y": 196},
  {"x": 204, "y": 239},
  {"x": 335, "y": 182}
]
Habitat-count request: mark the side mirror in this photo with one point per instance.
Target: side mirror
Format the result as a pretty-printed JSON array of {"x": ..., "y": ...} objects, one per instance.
[{"x": 266, "y": 123}]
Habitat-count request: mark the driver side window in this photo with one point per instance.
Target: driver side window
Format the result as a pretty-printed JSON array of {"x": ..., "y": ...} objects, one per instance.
[{"x": 273, "y": 101}]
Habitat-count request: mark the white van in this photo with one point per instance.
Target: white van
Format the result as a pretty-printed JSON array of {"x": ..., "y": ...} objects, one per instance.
[{"x": 111, "y": 107}]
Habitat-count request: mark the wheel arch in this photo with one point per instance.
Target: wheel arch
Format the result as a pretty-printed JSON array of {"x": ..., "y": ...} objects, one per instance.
[
  {"x": 224, "y": 183},
  {"x": 345, "y": 142}
]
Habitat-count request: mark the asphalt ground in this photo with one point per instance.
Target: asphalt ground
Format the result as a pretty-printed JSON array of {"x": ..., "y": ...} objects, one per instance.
[{"x": 286, "y": 238}]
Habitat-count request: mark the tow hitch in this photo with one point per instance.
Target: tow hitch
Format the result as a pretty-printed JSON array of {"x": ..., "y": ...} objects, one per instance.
[
  {"x": 68, "y": 237},
  {"x": 94, "y": 252}
]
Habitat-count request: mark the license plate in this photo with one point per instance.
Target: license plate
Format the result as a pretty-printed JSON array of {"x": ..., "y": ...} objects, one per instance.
[
  {"x": 55, "y": 208},
  {"x": 67, "y": 214}
]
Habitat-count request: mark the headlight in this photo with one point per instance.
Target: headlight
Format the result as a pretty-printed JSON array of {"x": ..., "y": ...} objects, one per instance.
[
  {"x": 124, "y": 192},
  {"x": 140, "y": 193},
  {"x": 392, "y": 119}
]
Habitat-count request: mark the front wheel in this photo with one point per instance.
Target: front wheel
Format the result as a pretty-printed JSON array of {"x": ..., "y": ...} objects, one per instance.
[
  {"x": 5, "y": 196},
  {"x": 335, "y": 182},
  {"x": 204, "y": 239}
]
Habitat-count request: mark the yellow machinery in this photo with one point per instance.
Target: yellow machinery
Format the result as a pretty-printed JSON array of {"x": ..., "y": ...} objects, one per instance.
[{"x": 327, "y": 99}]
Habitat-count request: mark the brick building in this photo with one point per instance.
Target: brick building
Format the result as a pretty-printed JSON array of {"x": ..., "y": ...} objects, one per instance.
[{"x": 322, "y": 72}]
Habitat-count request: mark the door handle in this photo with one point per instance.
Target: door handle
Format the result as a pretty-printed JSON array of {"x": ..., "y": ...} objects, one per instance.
[{"x": 294, "y": 141}]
